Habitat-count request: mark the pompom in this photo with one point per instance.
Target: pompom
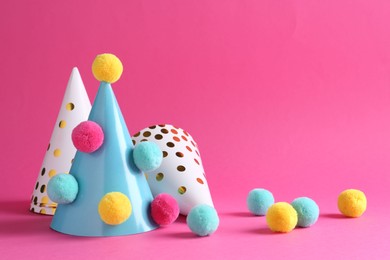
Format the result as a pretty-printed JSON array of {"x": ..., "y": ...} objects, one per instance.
[
  {"x": 203, "y": 220},
  {"x": 87, "y": 137},
  {"x": 164, "y": 209},
  {"x": 147, "y": 156},
  {"x": 107, "y": 67},
  {"x": 281, "y": 217},
  {"x": 62, "y": 188},
  {"x": 114, "y": 208},
  {"x": 259, "y": 200},
  {"x": 307, "y": 210},
  {"x": 352, "y": 203}
]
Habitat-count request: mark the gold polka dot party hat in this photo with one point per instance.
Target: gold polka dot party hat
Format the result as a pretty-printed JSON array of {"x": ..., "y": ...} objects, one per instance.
[
  {"x": 60, "y": 152},
  {"x": 181, "y": 173}
]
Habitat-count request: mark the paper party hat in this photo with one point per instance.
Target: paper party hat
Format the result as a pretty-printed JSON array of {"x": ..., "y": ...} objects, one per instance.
[
  {"x": 111, "y": 195},
  {"x": 181, "y": 173},
  {"x": 60, "y": 152}
]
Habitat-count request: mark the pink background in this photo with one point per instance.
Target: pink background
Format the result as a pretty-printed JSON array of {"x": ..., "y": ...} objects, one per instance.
[{"x": 292, "y": 96}]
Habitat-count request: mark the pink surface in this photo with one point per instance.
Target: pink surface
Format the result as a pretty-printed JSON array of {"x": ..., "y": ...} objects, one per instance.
[{"x": 292, "y": 96}]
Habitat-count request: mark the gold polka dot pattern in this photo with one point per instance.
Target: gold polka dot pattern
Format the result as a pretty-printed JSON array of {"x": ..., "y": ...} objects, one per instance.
[
  {"x": 52, "y": 172},
  {"x": 69, "y": 106},
  {"x": 181, "y": 168},
  {"x": 62, "y": 124},
  {"x": 57, "y": 153},
  {"x": 181, "y": 173},
  {"x": 45, "y": 200},
  {"x": 159, "y": 176},
  {"x": 182, "y": 190}
]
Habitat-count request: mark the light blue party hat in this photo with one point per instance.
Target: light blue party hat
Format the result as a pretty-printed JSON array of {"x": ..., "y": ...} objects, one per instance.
[{"x": 109, "y": 169}]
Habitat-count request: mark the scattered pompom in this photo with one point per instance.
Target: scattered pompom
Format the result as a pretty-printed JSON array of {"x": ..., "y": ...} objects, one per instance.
[
  {"x": 107, "y": 67},
  {"x": 114, "y": 208},
  {"x": 203, "y": 220},
  {"x": 62, "y": 188},
  {"x": 87, "y": 137},
  {"x": 281, "y": 217},
  {"x": 164, "y": 209},
  {"x": 307, "y": 210},
  {"x": 352, "y": 203},
  {"x": 259, "y": 200},
  {"x": 147, "y": 156}
]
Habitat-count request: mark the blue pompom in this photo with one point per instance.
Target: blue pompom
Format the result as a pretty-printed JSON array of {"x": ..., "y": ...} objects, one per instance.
[
  {"x": 62, "y": 188},
  {"x": 307, "y": 210},
  {"x": 203, "y": 220},
  {"x": 147, "y": 156},
  {"x": 259, "y": 200}
]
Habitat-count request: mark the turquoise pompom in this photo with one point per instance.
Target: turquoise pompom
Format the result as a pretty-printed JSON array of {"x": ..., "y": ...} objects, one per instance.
[
  {"x": 203, "y": 220},
  {"x": 147, "y": 156},
  {"x": 259, "y": 200},
  {"x": 62, "y": 188},
  {"x": 308, "y": 211}
]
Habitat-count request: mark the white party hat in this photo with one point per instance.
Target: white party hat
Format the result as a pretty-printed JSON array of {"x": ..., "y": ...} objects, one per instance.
[
  {"x": 60, "y": 152},
  {"x": 181, "y": 173}
]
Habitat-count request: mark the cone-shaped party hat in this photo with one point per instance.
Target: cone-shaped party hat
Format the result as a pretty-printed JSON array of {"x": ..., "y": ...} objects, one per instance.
[
  {"x": 60, "y": 152},
  {"x": 105, "y": 193},
  {"x": 181, "y": 173}
]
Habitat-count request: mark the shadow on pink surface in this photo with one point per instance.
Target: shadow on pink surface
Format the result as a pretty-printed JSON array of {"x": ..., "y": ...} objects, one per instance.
[
  {"x": 240, "y": 214},
  {"x": 19, "y": 207},
  {"x": 332, "y": 215},
  {"x": 16, "y": 219}
]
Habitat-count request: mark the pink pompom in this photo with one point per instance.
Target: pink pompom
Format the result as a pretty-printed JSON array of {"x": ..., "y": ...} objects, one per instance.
[
  {"x": 165, "y": 209},
  {"x": 87, "y": 137}
]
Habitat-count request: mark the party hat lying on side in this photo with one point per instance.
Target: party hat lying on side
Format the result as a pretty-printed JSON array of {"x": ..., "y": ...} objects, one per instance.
[
  {"x": 60, "y": 152},
  {"x": 181, "y": 173},
  {"x": 104, "y": 194}
]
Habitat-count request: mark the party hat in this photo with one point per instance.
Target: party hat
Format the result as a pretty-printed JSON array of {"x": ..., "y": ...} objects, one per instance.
[
  {"x": 60, "y": 152},
  {"x": 104, "y": 194},
  {"x": 181, "y": 173}
]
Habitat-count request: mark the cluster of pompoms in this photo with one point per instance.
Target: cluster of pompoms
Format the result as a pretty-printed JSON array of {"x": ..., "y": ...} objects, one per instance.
[
  {"x": 302, "y": 212},
  {"x": 202, "y": 219}
]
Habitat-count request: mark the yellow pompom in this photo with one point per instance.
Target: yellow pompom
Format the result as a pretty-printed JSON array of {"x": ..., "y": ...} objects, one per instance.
[
  {"x": 114, "y": 208},
  {"x": 352, "y": 203},
  {"x": 107, "y": 67},
  {"x": 281, "y": 217}
]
